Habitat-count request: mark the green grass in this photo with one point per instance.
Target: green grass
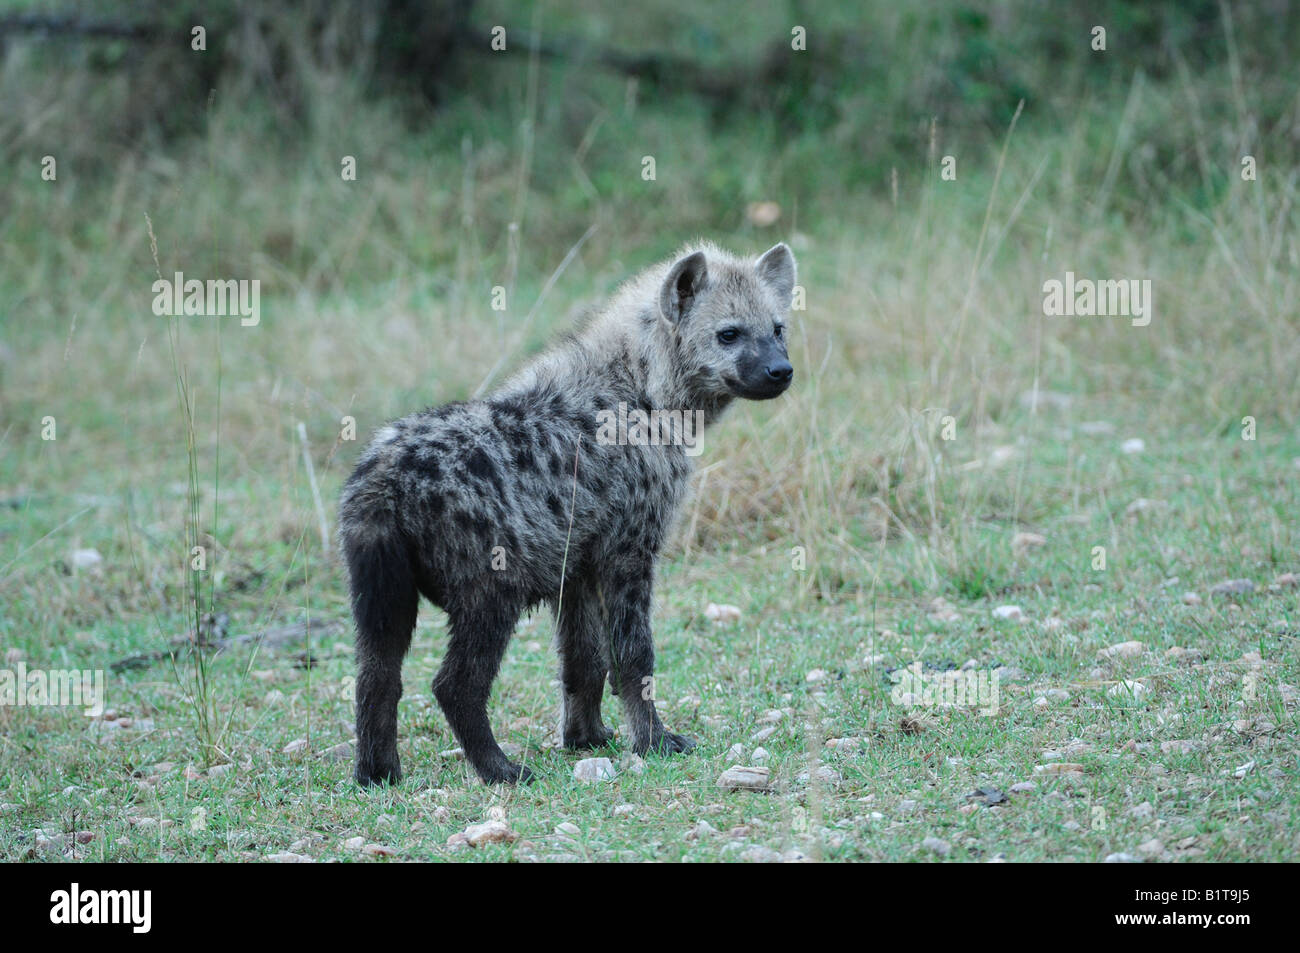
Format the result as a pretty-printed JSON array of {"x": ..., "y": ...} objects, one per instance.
[
  {"x": 376, "y": 300},
  {"x": 1228, "y": 516}
]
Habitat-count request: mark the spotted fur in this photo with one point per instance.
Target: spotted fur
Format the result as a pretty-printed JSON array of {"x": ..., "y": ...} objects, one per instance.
[{"x": 489, "y": 507}]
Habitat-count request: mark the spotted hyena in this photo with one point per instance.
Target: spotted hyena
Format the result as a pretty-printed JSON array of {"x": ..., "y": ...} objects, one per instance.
[{"x": 554, "y": 489}]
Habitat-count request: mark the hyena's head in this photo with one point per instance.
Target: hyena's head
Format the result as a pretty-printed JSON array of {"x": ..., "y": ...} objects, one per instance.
[{"x": 727, "y": 317}]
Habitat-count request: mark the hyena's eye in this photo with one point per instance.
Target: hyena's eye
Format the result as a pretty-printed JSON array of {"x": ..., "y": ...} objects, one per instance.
[
  {"x": 778, "y": 330},
  {"x": 729, "y": 335}
]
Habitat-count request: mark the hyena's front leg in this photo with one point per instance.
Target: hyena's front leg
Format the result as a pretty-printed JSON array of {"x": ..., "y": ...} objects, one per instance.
[
  {"x": 627, "y": 596},
  {"x": 584, "y": 662}
]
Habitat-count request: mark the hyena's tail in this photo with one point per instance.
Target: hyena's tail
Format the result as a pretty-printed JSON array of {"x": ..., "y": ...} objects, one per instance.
[{"x": 384, "y": 604}]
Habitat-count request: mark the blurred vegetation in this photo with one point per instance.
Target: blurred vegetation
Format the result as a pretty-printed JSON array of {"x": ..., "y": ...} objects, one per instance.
[
  {"x": 714, "y": 92},
  {"x": 478, "y": 168}
]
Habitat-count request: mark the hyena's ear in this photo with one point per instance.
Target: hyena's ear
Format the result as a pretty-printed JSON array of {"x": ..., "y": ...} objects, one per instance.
[
  {"x": 685, "y": 280},
  {"x": 776, "y": 270}
]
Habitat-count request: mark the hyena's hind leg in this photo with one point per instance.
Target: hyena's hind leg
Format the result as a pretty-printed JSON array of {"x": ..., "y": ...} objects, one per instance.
[
  {"x": 582, "y": 639},
  {"x": 479, "y": 635},
  {"x": 384, "y": 603}
]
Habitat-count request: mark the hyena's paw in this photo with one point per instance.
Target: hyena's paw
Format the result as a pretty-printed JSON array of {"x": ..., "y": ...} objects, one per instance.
[
  {"x": 506, "y": 772},
  {"x": 665, "y": 742},
  {"x": 378, "y": 771},
  {"x": 597, "y": 736}
]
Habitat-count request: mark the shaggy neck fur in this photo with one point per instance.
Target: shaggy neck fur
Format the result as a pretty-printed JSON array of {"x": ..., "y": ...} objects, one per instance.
[{"x": 630, "y": 330}]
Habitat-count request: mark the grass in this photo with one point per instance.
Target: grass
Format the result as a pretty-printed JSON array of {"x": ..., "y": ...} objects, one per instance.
[{"x": 920, "y": 308}]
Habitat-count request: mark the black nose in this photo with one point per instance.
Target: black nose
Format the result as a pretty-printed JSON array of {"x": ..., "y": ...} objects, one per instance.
[{"x": 780, "y": 372}]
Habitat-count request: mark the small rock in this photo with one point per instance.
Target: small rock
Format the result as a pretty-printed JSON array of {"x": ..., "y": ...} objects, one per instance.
[
  {"x": 763, "y": 733},
  {"x": 741, "y": 778},
  {"x": 1022, "y": 542},
  {"x": 295, "y": 748},
  {"x": 937, "y": 845},
  {"x": 721, "y": 613},
  {"x": 1128, "y": 689},
  {"x": 759, "y": 756},
  {"x": 632, "y": 763},
  {"x": 701, "y": 830},
  {"x": 1244, "y": 770},
  {"x": 1010, "y": 613},
  {"x": 1287, "y": 579},
  {"x": 1023, "y": 787},
  {"x": 492, "y": 832},
  {"x": 86, "y": 558},
  {"x": 816, "y": 675},
  {"x": 1191, "y": 599},
  {"x": 1151, "y": 848},
  {"x": 825, "y": 774},
  {"x": 736, "y": 752},
  {"x": 1059, "y": 767},
  {"x": 1121, "y": 859},
  {"x": 1232, "y": 587},
  {"x": 289, "y": 857},
  {"x": 1183, "y": 655},
  {"x": 1002, "y": 454},
  {"x": 763, "y": 213},
  {"x": 1122, "y": 650},
  {"x": 1133, "y": 445},
  {"x": 595, "y": 769}
]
